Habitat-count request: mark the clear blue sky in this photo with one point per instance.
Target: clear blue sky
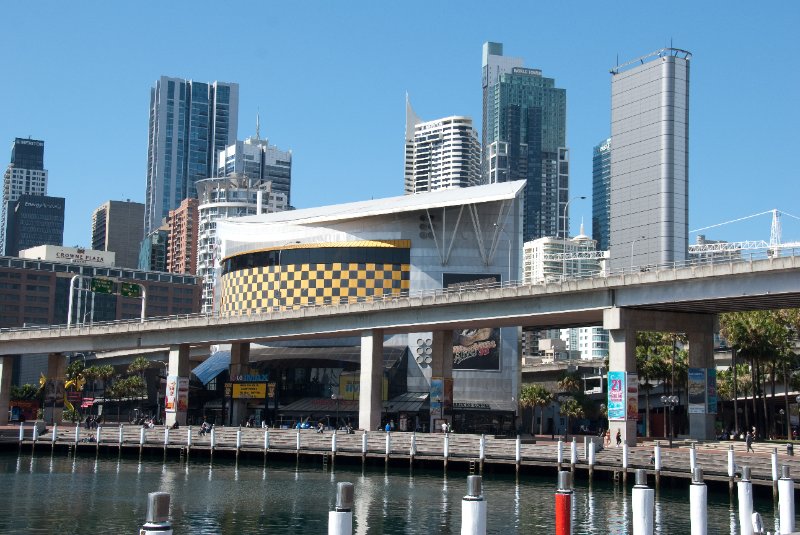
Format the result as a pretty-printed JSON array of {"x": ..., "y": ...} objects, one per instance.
[{"x": 330, "y": 80}]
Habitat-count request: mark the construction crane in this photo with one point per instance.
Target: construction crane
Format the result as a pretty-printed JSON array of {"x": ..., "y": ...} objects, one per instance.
[{"x": 773, "y": 247}]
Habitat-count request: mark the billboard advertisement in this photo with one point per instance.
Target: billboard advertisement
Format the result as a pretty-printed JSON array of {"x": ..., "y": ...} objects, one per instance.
[
  {"x": 633, "y": 397},
  {"x": 183, "y": 394},
  {"x": 697, "y": 390},
  {"x": 474, "y": 349},
  {"x": 437, "y": 396},
  {"x": 171, "y": 396},
  {"x": 711, "y": 383},
  {"x": 617, "y": 410}
]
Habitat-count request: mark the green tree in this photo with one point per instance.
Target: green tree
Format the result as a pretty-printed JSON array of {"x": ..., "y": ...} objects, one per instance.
[
  {"x": 762, "y": 336},
  {"x": 570, "y": 383},
  {"x": 535, "y": 395},
  {"x": 571, "y": 408},
  {"x": 26, "y": 392}
]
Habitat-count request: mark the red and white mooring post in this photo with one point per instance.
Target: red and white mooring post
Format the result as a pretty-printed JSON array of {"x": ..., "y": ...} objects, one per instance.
[{"x": 564, "y": 494}]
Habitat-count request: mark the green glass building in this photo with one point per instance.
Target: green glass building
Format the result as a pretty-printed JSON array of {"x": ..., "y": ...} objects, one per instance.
[{"x": 524, "y": 138}]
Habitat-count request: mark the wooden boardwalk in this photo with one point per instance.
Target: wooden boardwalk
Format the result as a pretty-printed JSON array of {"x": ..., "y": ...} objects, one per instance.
[{"x": 459, "y": 451}]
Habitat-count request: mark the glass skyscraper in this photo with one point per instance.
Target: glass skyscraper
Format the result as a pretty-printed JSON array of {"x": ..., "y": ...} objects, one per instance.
[
  {"x": 25, "y": 175},
  {"x": 190, "y": 123},
  {"x": 524, "y": 138},
  {"x": 601, "y": 194},
  {"x": 34, "y": 220}
]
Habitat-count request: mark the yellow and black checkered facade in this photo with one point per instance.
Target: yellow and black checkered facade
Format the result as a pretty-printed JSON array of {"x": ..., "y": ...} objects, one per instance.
[{"x": 301, "y": 275}]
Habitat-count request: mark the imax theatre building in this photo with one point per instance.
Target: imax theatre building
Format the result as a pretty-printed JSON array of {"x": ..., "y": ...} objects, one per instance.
[{"x": 357, "y": 251}]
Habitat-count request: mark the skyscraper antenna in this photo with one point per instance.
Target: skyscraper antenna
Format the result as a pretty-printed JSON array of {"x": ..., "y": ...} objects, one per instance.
[{"x": 258, "y": 124}]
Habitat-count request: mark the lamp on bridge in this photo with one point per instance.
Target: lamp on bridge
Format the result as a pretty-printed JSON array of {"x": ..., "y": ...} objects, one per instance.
[{"x": 671, "y": 402}]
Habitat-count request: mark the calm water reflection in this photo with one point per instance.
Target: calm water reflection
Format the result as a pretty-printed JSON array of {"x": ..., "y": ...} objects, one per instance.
[{"x": 60, "y": 494}]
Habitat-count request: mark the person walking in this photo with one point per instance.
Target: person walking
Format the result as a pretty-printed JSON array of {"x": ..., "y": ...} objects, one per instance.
[
  {"x": 749, "y": 441},
  {"x": 608, "y": 438},
  {"x": 619, "y": 438}
]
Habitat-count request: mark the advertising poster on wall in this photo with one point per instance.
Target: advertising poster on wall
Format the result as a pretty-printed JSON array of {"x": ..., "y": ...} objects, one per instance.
[
  {"x": 183, "y": 394},
  {"x": 474, "y": 349},
  {"x": 437, "y": 396},
  {"x": 697, "y": 390},
  {"x": 171, "y": 396},
  {"x": 711, "y": 382},
  {"x": 616, "y": 397},
  {"x": 633, "y": 397}
]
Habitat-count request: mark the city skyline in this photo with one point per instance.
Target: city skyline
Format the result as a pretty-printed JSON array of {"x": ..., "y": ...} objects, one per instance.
[{"x": 345, "y": 141}]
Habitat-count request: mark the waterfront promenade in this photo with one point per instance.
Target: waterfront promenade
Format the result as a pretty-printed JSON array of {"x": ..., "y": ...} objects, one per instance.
[{"x": 459, "y": 452}]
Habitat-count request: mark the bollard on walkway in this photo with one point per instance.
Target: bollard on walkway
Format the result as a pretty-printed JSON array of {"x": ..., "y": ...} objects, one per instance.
[
  {"x": 745, "y": 496},
  {"x": 786, "y": 501},
  {"x": 560, "y": 453},
  {"x": 564, "y": 494},
  {"x": 698, "y": 503},
  {"x": 413, "y": 449},
  {"x": 388, "y": 448},
  {"x": 55, "y": 434},
  {"x": 157, "y": 521},
  {"x": 22, "y": 432},
  {"x": 518, "y": 452},
  {"x": 573, "y": 457},
  {"x": 775, "y": 474},
  {"x": 643, "y": 499},
  {"x": 591, "y": 458},
  {"x": 340, "y": 520},
  {"x": 657, "y": 461},
  {"x": 446, "y": 449},
  {"x": 364, "y": 447},
  {"x": 624, "y": 462},
  {"x": 119, "y": 437},
  {"x": 473, "y": 508},
  {"x": 731, "y": 466},
  {"x": 482, "y": 452},
  {"x": 77, "y": 433},
  {"x": 692, "y": 458}
]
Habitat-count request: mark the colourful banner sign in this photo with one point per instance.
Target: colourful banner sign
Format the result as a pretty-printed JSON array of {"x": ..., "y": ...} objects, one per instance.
[
  {"x": 617, "y": 410},
  {"x": 711, "y": 383},
  {"x": 171, "y": 396},
  {"x": 633, "y": 397},
  {"x": 697, "y": 390},
  {"x": 183, "y": 394}
]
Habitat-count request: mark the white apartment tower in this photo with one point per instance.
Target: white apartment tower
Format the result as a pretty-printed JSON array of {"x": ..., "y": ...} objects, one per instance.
[
  {"x": 227, "y": 197},
  {"x": 440, "y": 154}
]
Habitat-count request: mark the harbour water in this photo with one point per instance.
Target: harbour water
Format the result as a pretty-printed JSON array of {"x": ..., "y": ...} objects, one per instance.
[{"x": 75, "y": 494}]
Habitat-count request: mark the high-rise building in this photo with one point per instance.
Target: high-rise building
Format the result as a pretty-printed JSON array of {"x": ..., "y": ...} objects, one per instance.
[
  {"x": 601, "y": 193},
  {"x": 232, "y": 196},
  {"x": 260, "y": 161},
  {"x": 182, "y": 240},
  {"x": 440, "y": 154},
  {"x": 190, "y": 123},
  {"x": 153, "y": 250},
  {"x": 543, "y": 259},
  {"x": 650, "y": 159},
  {"x": 33, "y": 220},
  {"x": 25, "y": 175},
  {"x": 524, "y": 138},
  {"x": 117, "y": 226}
]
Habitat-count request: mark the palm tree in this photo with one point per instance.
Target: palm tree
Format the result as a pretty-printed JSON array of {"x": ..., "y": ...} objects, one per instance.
[
  {"x": 571, "y": 409},
  {"x": 535, "y": 395},
  {"x": 762, "y": 336}
]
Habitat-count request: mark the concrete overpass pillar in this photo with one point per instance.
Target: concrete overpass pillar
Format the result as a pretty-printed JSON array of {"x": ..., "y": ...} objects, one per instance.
[
  {"x": 622, "y": 358},
  {"x": 176, "y": 400},
  {"x": 5, "y": 387},
  {"x": 240, "y": 362},
  {"x": 54, "y": 388},
  {"x": 701, "y": 355},
  {"x": 371, "y": 382},
  {"x": 442, "y": 370}
]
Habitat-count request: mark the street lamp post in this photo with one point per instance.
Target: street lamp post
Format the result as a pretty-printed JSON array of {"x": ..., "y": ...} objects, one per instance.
[
  {"x": 671, "y": 402},
  {"x": 564, "y": 265},
  {"x": 637, "y": 238}
]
